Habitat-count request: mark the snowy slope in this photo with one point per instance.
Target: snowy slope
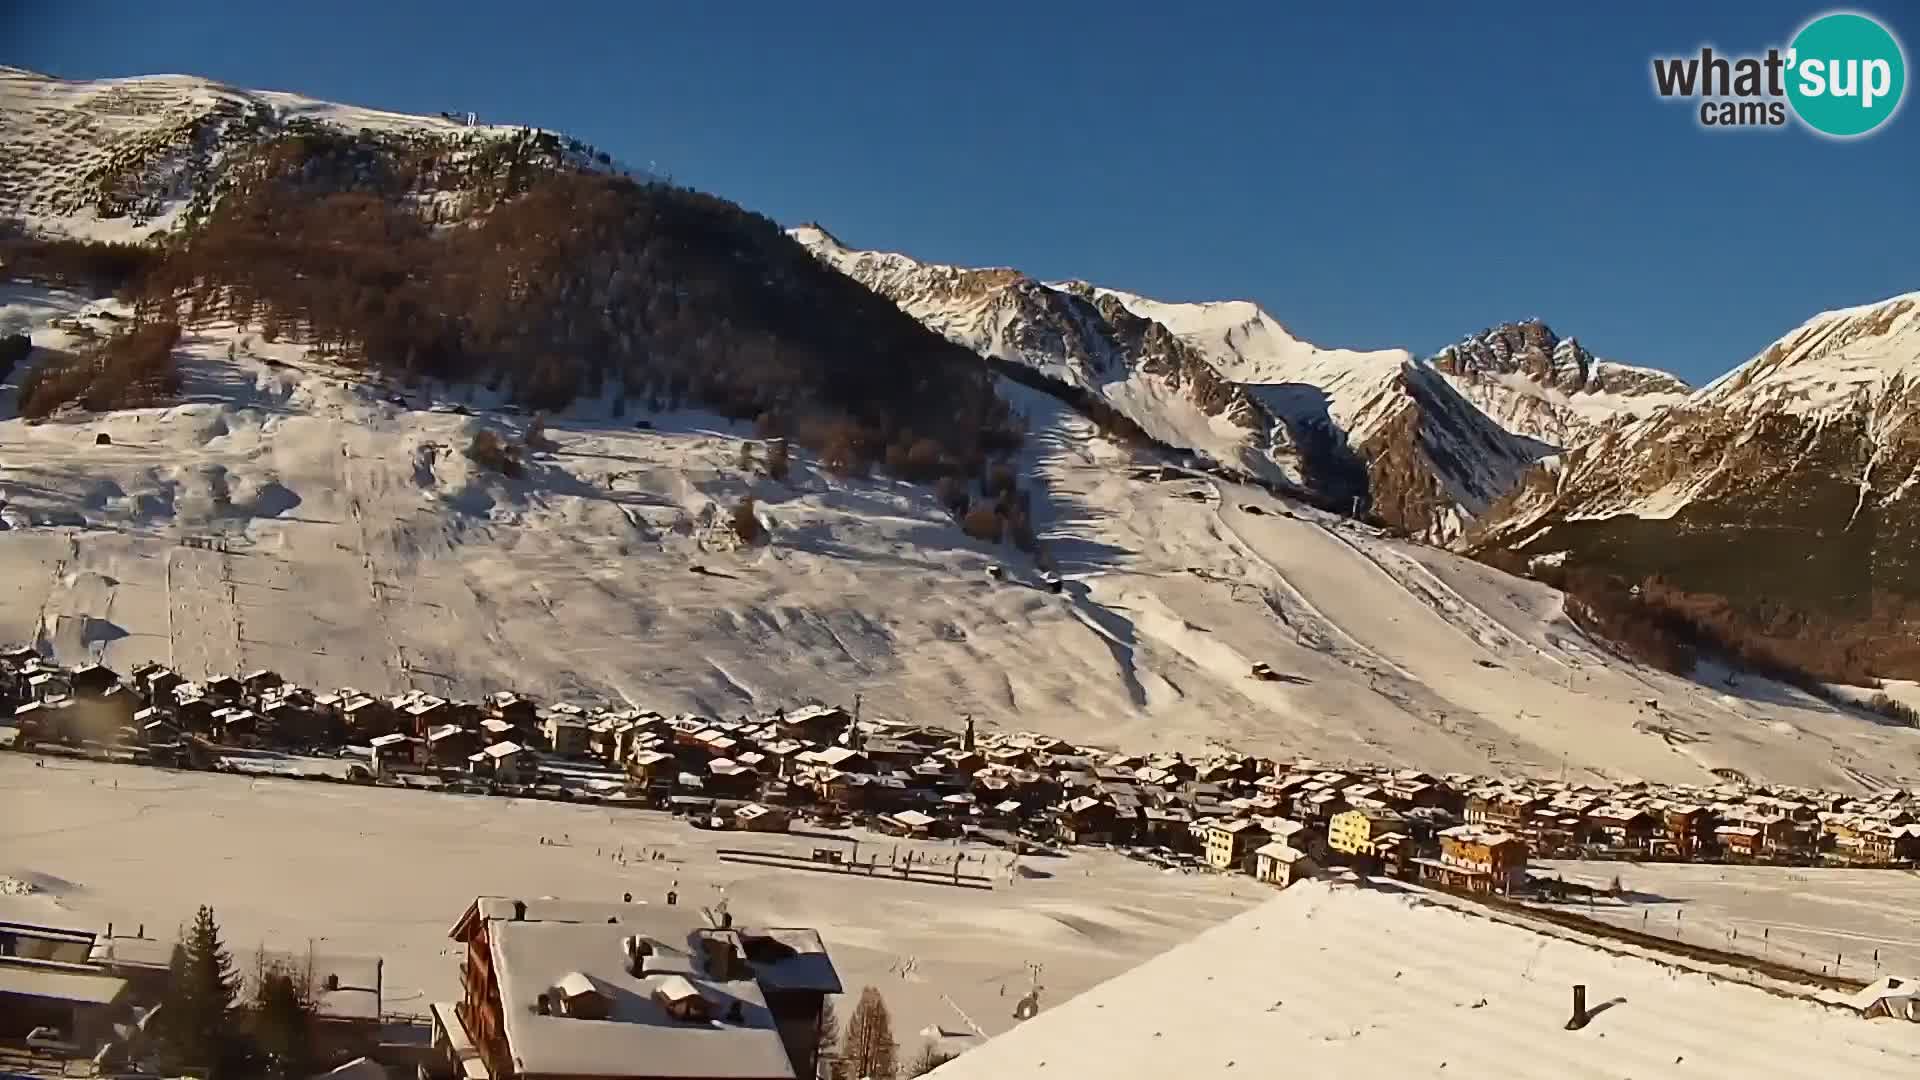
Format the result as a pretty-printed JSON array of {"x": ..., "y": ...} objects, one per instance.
[
  {"x": 362, "y": 548},
  {"x": 121, "y": 159},
  {"x": 1228, "y": 381},
  {"x": 1344, "y": 982}
]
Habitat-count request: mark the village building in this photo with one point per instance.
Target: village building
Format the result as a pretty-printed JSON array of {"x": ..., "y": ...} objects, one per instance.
[
  {"x": 554, "y": 990},
  {"x": 1230, "y": 844},
  {"x": 1475, "y": 860},
  {"x": 1278, "y": 863},
  {"x": 1356, "y": 833},
  {"x": 503, "y": 762}
]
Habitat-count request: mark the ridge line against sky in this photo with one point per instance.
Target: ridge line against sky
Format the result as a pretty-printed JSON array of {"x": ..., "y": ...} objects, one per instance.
[{"x": 1397, "y": 178}]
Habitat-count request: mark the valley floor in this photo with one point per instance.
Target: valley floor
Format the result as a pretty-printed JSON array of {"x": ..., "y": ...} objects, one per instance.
[
  {"x": 359, "y": 870},
  {"x": 288, "y": 515},
  {"x": 1857, "y": 924}
]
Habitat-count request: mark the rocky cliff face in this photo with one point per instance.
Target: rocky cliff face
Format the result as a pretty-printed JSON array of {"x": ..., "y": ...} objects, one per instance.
[
  {"x": 1545, "y": 387},
  {"x": 1377, "y": 430},
  {"x": 1790, "y": 481}
]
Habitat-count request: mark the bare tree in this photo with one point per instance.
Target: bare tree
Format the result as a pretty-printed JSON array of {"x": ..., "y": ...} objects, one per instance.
[{"x": 869, "y": 1052}]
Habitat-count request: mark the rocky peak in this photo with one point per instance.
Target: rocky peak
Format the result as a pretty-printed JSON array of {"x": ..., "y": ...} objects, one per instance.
[{"x": 1528, "y": 348}]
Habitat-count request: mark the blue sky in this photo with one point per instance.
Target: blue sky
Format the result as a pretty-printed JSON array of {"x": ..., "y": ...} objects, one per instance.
[{"x": 1396, "y": 175}]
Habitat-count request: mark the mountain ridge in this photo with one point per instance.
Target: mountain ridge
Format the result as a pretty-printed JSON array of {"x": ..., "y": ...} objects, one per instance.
[{"x": 1372, "y": 430}]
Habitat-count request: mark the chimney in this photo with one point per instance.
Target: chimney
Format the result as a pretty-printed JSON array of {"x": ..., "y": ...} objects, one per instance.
[
  {"x": 333, "y": 981},
  {"x": 109, "y": 931},
  {"x": 1579, "y": 1008},
  {"x": 519, "y": 911},
  {"x": 545, "y": 1004},
  {"x": 142, "y": 932}
]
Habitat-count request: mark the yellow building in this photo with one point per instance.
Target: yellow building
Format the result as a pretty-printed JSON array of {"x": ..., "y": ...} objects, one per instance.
[
  {"x": 1353, "y": 832},
  {"x": 1229, "y": 843}
]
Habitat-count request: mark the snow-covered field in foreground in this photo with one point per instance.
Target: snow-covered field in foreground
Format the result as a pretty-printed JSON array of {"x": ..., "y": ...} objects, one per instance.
[
  {"x": 359, "y": 546},
  {"x": 374, "y": 870},
  {"x": 1815, "y": 919},
  {"x": 1332, "y": 981}
]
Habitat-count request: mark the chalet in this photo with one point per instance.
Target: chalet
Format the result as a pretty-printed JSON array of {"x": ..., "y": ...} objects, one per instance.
[
  {"x": 366, "y": 717},
  {"x": 1277, "y": 863},
  {"x": 520, "y": 714},
  {"x": 910, "y": 823},
  {"x": 493, "y": 730},
  {"x": 668, "y": 996},
  {"x": 423, "y": 714},
  {"x": 257, "y": 683},
  {"x": 448, "y": 746},
  {"x": 288, "y": 722},
  {"x": 1684, "y": 829},
  {"x": 154, "y": 730},
  {"x": 1230, "y": 844},
  {"x": 1476, "y": 860},
  {"x": 236, "y": 725},
  {"x": 393, "y": 752},
  {"x": 567, "y": 735},
  {"x": 650, "y": 767},
  {"x": 813, "y": 723},
  {"x": 42, "y": 685},
  {"x": 156, "y": 685},
  {"x": 225, "y": 688},
  {"x": 505, "y": 762},
  {"x": 1620, "y": 827},
  {"x": 46, "y": 980},
  {"x": 1739, "y": 841},
  {"x": 1085, "y": 820},
  {"x": 728, "y": 779},
  {"x": 93, "y": 680},
  {"x": 965, "y": 762},
  {"x": 838, "y": 758},
  {"x": 757, "y": 817},
  {"x": 889, "y": 754},
  {"x": 1012, "y": 757}
]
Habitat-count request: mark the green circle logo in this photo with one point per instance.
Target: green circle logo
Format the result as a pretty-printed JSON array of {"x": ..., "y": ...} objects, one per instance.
[{"x": 1846, "y": 74}]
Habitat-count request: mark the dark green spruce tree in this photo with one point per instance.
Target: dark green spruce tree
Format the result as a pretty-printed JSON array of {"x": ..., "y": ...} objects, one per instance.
[{"x": 197, "y": 1012}]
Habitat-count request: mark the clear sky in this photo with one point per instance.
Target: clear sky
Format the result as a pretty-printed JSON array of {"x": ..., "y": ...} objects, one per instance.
[{"x": 1395, "y": 175}]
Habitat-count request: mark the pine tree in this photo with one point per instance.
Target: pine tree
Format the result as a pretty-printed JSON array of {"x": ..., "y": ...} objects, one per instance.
[
  {"x": 869, "y": 1052},
  {"x": 283, "y": 1019},
  {"x": 200, "y": 993}
]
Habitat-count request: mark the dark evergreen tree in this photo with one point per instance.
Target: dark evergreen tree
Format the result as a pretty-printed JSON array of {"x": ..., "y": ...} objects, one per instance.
[
  {"x": 200, "y": 993},
  {"x": 283, "y": 1021}
]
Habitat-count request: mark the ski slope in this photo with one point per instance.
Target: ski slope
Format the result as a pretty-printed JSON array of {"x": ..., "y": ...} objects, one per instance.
[{"x": 288, "y": 515}]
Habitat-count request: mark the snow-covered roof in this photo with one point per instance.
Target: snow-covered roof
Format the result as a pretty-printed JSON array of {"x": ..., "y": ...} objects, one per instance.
[
  {"x": 638, "y": 1038},
  {"x": 1400, "y": 987}
]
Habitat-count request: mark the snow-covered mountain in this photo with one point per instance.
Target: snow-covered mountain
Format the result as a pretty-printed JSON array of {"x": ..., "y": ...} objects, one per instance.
[
  {"x": 359, "y": 545},
  {"x": 1790, "y": 479},
  {"x": 1545, "y": 387},
  {"x": 296, "y": 505},
  {"x": 122, "y": 159},
  {"x": 1228, "y": 381}
]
